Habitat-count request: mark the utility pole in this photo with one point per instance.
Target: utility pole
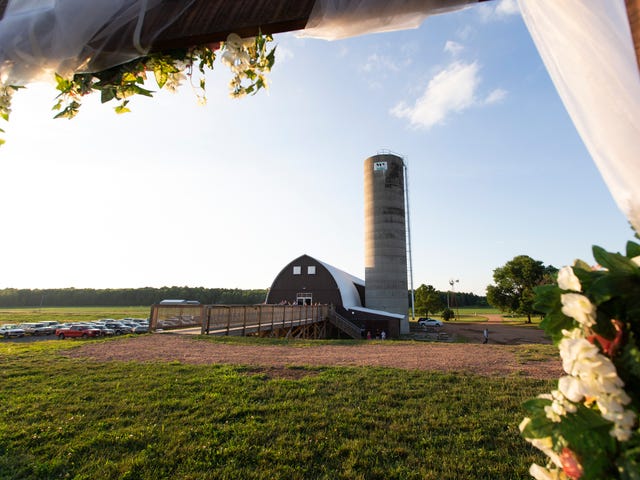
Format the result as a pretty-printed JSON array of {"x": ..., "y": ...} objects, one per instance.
[{"x": 452, "y": 282}]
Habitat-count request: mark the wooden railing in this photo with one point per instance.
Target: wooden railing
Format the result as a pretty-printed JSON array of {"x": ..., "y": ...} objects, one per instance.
[{"x": 348, "y": 327}]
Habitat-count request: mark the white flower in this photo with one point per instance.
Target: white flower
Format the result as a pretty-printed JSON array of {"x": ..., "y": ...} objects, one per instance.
[
  {"x": 234, "y": 41},
  {"x": 623, "y": 425},
  {"x": 541, "y": 473},
  {"x": 592, "y": 376},
  {"x": 545, "y": 445},
  {"x": 567, "y": 280},
  {"x": 575, "y": 351},
  {"x": 579, "y": 308},
  {"x": 523, "y": 424},
  {"x": 560, "y": 405},
  {"x": 571, "y": 388}
]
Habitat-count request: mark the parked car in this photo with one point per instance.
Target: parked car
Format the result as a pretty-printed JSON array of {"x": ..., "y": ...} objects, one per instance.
[
  {"x": 52, "y": 323},
  {"x": 141, "y": 329},
  {"x": 37, "y": 329},
  {"x": 11, "y": 331},
  {"x": 429, "y": 322},
  {"x": 104, "y": 331},
  {"x": 119, "y": 328},
  {"x": 74, "y": 331}
]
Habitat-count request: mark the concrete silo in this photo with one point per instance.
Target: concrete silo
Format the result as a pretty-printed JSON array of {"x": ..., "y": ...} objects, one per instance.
[{"x": 385, "y": 238}]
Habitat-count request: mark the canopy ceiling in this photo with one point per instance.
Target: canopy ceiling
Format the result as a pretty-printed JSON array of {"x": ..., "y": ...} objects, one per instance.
[{"x": 209, "y": 21}]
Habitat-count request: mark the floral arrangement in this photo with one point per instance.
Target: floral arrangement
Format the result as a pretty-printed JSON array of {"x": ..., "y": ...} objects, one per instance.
[
  {"x": 249, "y": 60},
  {"x": 588, "y": 426}
]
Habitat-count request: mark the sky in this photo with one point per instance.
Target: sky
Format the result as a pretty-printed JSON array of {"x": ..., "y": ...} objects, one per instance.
[{"x": 227, "y": 194}]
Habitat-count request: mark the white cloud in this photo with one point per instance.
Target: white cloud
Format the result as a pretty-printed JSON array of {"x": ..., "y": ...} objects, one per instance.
[
  {"x": 501, "y": 10},
  {"x": 283, "y": 54},
  {"x": 454, "y": 48},
  {"x": 377, "y": 62},
  {"x": 452, "y": 90},
  {"x": 507, "y": 7},
  {"x": 496, "y": 96}
]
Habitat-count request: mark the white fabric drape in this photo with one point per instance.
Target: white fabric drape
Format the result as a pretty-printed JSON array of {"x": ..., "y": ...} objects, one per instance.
[
  {"x": 336, "y": 19},
  {"x": 40, "y": 37},
  {"x": 588, "y": 51}
]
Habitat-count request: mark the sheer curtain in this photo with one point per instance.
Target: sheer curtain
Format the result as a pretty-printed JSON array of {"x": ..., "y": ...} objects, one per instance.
[
  {"x": 40, "y": 37},
  {"x": 588, "y": 51},
  {"x": 336, "y": 19}
]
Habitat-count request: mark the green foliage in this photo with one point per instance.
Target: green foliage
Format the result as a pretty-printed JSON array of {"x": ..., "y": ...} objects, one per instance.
[
  {"x": 612, "y": 289},
  {"x": 6, "y": 94},
  {"x": 82, "y": 419},
  {"x": 515, "y": 283},
  {"x": 123, "y": 81},
  {"x": 427, "y": 299},
  {"x": 249, "y": 59},
  {"x": 448, "y": 314}
]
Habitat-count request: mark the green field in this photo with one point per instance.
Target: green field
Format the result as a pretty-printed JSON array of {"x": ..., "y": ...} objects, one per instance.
[
  {"x": 70, "y": 314},
  {"x": 478, "y": 314},
  {"x": 83, "y": 419}
]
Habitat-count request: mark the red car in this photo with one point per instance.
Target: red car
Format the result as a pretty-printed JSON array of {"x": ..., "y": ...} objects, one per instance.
[{"x": 82, "y": 331}]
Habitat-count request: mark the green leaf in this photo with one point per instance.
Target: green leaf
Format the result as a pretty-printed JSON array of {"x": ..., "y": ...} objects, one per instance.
[
  {"x": 69, "y": 112},
  {"x": 554, "y": 323},
  {"x": 614, "y": 262},
  {"x": 5, "y": 116},
  {"x": 161, "y": 75},
  {"x": 587, "y": 434},
  {"x": 121, "y": 109},
  {"x": 62, "y": 84},
  {"x": 633, "y": 249},
  {"x": 547, "y": 298},
  {"x": 107, "y": 94},
  {"x": 610, "y": 285},
  {"x": 129, "y": 77}
]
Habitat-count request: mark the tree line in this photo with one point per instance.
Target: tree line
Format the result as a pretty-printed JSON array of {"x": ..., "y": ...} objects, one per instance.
[{"x": 124, "y": 297}]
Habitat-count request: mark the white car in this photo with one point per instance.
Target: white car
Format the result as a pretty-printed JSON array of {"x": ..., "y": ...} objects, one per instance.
[
  {"x": 429, "y": 322},
  {"x": 11, "y": 331}
]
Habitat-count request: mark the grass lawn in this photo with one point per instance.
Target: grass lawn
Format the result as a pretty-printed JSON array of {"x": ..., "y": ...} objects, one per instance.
[
  {"x": 83, "y": 419},
  {"x": 478, "y": 314}
]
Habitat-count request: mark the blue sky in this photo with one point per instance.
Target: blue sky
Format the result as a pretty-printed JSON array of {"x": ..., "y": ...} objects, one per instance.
[{"x": 227, "y": 194}]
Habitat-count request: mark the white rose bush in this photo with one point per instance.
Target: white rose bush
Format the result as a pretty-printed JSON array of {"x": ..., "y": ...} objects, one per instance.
[{"x": 588, "y": 426}]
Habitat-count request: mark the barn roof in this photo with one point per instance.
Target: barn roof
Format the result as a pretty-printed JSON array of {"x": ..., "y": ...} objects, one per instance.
[{"x": 346, "y": 284}]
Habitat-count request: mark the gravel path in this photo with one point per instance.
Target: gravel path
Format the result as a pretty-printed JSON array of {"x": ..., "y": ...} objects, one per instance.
[{"x": 490, "y": 360}]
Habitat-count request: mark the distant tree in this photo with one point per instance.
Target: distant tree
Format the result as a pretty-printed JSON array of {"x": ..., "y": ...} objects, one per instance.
[
  {"x": 515, "y": 282},
  {"x": 448, "y": 314},
  {"x": 427, "y": 299}
]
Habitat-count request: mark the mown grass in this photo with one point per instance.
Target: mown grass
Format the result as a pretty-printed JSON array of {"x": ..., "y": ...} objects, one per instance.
[
  {"x": 83, "y": 419},
  {"x": 535, "y": 353},
  {"x": 70, "y": 314}
]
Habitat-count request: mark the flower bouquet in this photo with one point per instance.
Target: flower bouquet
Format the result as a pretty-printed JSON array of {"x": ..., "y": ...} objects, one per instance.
[{"x": 588, "y": 426}]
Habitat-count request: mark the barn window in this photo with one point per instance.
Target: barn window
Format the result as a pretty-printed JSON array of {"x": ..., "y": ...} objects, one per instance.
[
  {"x": 311, "y": 270},
  {"x": 297, "y": 270}
]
